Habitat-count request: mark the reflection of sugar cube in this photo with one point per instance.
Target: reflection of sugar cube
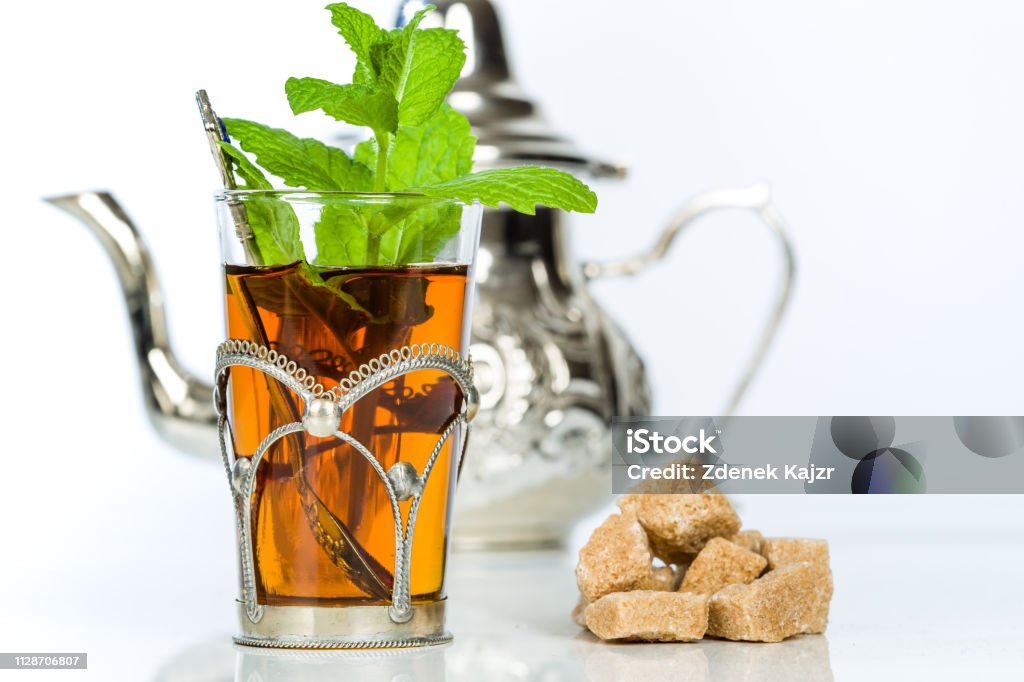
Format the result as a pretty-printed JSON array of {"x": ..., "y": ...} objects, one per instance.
[{"x": 651, "y": 663}]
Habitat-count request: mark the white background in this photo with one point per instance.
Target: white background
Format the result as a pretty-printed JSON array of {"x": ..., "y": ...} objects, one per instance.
[{"x": 891, "y": 132}]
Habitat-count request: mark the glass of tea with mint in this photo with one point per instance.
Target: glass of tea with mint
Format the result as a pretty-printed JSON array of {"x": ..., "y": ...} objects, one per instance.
[{"x": 344, "y": 388}]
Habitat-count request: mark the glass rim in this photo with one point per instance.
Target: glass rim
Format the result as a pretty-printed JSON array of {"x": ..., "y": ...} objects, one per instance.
[{"x": 316, "y": 196}]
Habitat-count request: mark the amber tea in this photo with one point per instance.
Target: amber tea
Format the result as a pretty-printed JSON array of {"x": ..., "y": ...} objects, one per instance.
[{"x": 322, "y": 524}]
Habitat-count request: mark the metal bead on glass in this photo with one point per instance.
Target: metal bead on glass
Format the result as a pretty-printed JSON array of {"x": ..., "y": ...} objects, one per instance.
[{"x": 321, "y": 418}]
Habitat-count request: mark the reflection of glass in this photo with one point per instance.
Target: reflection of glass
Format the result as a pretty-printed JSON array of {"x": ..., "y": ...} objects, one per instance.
[
  {"x": 219, "y": 661},
  {"x": 385, "y": 665},
  {"x": 344, "y": 398}
]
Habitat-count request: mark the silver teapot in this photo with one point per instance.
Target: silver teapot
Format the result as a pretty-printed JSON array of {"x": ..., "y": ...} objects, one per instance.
[{"x": 551, "y": 367}]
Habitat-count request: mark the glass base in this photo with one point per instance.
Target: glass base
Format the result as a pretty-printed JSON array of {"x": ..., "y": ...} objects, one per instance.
[{"x": 343, "y": 627}]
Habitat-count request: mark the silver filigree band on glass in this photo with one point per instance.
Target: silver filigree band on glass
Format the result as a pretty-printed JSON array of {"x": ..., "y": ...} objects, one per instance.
[{"x": 321, "y": 417}]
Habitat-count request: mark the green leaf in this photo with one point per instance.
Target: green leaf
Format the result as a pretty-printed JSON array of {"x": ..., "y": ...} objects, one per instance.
[
  {"x": 341, "y": 236},
  {"x": 352, "y": 234},
  {"x": 272, "y": 220},
  {"x": 300, "y": 162},
  {"x": 366, "y": 153},
  {"x": 522, "y": 188},
  {"x": 251, "y": 176},
  {"x": 438, "y": 150},
  {"x": 421, "y": 236},
  {"x": 420, "y": 66},
  {"x": 363, "y": 75},
  {"x": 358, "y": 29},
  {"x": 362, "y": 105}
]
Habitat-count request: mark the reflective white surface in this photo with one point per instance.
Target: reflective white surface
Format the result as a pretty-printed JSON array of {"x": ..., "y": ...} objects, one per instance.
[
  {"x": 142, "y": 578},
  {"x": 905, "y": 608},
  {"x": 124, "y": 549}
]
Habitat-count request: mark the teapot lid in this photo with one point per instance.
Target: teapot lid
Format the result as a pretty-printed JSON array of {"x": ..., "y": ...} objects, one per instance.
[{"x": 508, "y": 125}]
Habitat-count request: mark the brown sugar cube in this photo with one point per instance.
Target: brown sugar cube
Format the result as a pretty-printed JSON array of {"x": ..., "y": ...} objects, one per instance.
[
  {"x": 679, "y": 525},
  {"x": 782, "y": 551},
  {"x": 721, "y": 563},
  {"x": 748, "y": 539},
  {"x": 649, "y": 615},
  {"x": 662, "y": 578},
  {"x": 577, "y": 611},
  {"x": 617, "y": 557},
  {"x": 788, "y": 601}
]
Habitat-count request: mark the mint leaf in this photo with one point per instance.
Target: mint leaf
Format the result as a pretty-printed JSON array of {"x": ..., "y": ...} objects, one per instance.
[
  {"x": 438, "y": 150},
  {"x": 421, "y": 236},
  {"x": 341, "y": 236},
  {"x": 276, "y": 230},
  {"x": 366, "y": 153},
  {"x": 272, "y": 221},
  {"x": 251, "y": 176},
  {"x": 358, "y": 29},
  {"x": 420, "y": 67},
  {"x": 353, "y": 234},
  {"x": 522, "y": 188},
  {"x": 363, "y": 105},
  {"x": 300, "y": 162}
]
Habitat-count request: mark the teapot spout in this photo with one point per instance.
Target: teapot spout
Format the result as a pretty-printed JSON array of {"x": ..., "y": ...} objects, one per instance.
[{"x": 179, "y": 405}]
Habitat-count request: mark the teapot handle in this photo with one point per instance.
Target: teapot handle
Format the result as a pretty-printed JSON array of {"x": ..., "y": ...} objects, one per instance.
[{"x": 755, "y": 198}]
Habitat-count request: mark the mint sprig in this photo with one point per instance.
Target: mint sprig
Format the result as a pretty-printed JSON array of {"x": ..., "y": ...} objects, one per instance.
[{"x": 419, "y": 144}]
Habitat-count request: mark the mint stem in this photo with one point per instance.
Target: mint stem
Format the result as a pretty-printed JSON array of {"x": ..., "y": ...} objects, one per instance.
[
  {"x": 380, "y": 180},
  {"x": 379, "y": 185},
  {"x": 372, "y": 248}
]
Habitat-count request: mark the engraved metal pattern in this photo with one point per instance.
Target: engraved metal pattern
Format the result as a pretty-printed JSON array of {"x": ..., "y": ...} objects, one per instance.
[{"x": 369, "y": 376}]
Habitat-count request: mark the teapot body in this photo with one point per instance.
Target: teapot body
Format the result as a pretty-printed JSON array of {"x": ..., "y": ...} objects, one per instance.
[{"x": 552, "y": 370}]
